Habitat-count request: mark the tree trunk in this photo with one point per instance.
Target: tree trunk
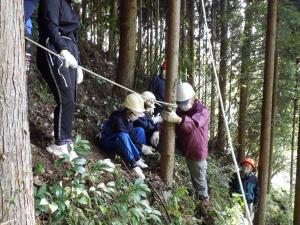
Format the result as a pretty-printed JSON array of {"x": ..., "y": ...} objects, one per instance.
[
  {"x": 244, "y": 80},
  {"x": 212, "y": 87},
  {"x": 292, "y": 148},
  {"x": 266, "y": 111},
  {"x": 273, "y": 119},
  {"x": 191, "y": 19},
  {"x": 126, "y": 64},
  {"x": 168, "y": 138},
  {"x": 297, "y": 187},
  {"x": 16, "y": 189},
  {"x": 112, "y": 29},
  {"x": 221, "y": 142},
  {"x": 156, "y": 28}
]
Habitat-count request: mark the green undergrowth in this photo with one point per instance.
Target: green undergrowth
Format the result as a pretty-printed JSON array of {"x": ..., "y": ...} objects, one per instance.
[
  {"x": 100, "y": 192},
  {"x": 93, "y": 192}
]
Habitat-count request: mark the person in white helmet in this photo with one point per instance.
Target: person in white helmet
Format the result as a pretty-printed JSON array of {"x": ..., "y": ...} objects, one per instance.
[
  {"x": 119, "y": 136},
  {"x": 192, "y": 121},
  {"x": 149, "y": 122}
]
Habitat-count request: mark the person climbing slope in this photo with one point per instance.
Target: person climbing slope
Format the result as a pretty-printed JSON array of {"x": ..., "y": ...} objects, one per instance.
[
  {"x": 58, "y": 31},
  {"x": 119, "y": 136}
]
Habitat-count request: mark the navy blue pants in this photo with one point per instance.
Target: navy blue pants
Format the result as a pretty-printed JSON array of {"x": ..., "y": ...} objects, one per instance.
[
  {"x": 62, "y": 83},
  {"x": 122, "y": 144}
]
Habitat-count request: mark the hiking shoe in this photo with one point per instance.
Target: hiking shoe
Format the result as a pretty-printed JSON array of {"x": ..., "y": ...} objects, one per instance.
[
  {"x": 141, "y": 164},
  {"x": 137, "y": 171},
  {"x": 60, "y": 150}
]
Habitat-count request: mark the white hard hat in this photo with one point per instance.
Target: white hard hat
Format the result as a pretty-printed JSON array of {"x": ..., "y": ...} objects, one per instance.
[
  {"x": 149, "y": 98},
  {"x": 185, "y": 92},
  {"x": 134, "y": 102}
]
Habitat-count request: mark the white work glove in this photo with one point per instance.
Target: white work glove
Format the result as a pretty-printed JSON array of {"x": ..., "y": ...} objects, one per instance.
[
  {"x": 69, "y": 59},
  {"x": 154, "y": 139},
  {"x": 171, "y": 117},
  {"x": 147, "y": 150},
  {"x": 157, "y": 119},
  {"x": 138, "y": 173},
  {"x": 79, "y": 75}
]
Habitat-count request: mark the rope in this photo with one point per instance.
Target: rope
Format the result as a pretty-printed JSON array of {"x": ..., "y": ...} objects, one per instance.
[
  {"x": 99, "y": 76},
  {"x": 223, "y": 113}
]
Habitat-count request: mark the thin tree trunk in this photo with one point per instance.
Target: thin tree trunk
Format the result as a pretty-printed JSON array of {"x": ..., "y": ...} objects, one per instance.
[
  {"x": 168, "y": 139},
  {"x": 212, "y": 87},
  {"x": 266, "y": 111},
  {"x": 126, "y": 64},
  {"x": 112, "y": 29},
  {"x": 156, "y": 28},
  {"x": 273, "y": 119},
  {"x": 16, "y": 188},
  {"x": 223, "y": 73},
  {"x": 297, "y": 187},
  {"x": 244, "y": 80},
  {"x": 191, "y": 19},
  {"x": 292, "y": 148},
  {"x": 151, "y": 39}
]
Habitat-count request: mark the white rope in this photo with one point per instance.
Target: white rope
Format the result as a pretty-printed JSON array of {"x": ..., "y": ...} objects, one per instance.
[
  {"x": 99, "y": 76},
  {"x": 223, "y": 113}
]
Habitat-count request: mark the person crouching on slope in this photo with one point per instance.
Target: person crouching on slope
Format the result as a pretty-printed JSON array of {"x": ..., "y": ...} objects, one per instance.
[
  {"x": 192, "y": 121},
  {"x": 119, "y": 135},
  {"x": 149, "y": 122}
]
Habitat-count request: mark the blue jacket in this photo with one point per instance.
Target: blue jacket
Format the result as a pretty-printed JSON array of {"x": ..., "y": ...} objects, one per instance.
[
  {"x": 29, "y": 7},
  {"x": 117, "y": 122},
  {"x": 250, "y": 185},
  {"x": 157, "y": 87},
  {"x": 147, "y": 124},
  {"x": 56, "y": 18}
]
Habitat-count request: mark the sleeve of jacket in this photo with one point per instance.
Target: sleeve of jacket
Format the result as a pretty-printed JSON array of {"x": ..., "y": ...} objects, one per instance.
[
  {"x": 188, "y": 124},
  {"x": 52, "y": 12},
  {"x": 145, "y": 123}
]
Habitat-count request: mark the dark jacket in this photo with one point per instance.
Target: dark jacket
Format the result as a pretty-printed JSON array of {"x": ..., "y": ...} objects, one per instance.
[
  {"x": 147, "y": 124},
  {"x": 118, "y": 122},
  {"x": 157, "y": 87},
  {"x": 250, "y": 185},
  {"x": 192, "y": 133},
  {"x": 56, "y": 18}
]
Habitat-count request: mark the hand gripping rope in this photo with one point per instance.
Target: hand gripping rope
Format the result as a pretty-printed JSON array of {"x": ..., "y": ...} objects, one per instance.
[
  {"x": 99, "y": 76},
  {"x": 223, "y": 112}
]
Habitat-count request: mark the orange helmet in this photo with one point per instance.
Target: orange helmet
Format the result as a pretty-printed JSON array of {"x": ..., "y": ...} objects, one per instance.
[
  {"x": 250, "y": 161},
  {"x": 164, "y": 65}
]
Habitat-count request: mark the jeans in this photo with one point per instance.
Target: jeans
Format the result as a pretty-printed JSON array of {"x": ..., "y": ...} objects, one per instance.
[{"x": 121, "y": 143}]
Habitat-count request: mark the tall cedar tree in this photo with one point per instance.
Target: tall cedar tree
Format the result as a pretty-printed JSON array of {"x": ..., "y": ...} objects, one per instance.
[
  {"x": 168, "y": 138},
  {"x": 16, "y": 189},
  {"x": 266, "y": 111},
  {"x": 126, "y": 63}
]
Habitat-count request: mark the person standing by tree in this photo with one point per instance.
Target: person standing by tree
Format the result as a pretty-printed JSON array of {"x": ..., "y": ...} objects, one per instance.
[
  {"x": 58, "y": 27},
  {"x": 157, "y": 86},
  {"x": 192, "y": 121}
]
